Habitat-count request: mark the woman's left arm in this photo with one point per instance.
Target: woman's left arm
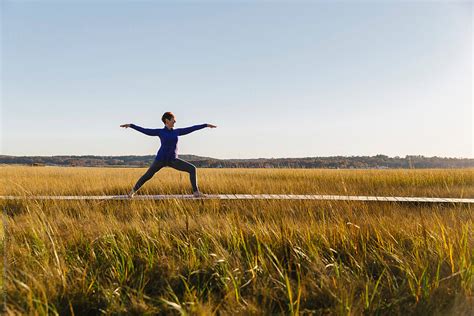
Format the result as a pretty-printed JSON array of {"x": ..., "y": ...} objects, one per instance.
[{"x": 187, "y": 130}]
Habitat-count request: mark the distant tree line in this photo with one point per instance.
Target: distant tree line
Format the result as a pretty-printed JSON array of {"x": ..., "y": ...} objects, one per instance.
[{"x": 335, "y": 162}]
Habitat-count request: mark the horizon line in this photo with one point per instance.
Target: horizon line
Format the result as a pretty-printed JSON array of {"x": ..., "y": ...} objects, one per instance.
[{"x": 143, "y": 155}]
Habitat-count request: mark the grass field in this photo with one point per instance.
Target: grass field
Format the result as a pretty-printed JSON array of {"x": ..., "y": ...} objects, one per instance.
[{"x": 238, "y": 256}]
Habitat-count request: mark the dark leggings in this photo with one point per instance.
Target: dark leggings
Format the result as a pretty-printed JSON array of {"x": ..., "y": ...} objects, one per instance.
[{"x": 177, "y": 164}]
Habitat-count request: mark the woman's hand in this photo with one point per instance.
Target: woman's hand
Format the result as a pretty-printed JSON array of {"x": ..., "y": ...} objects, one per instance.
[
  {"x": 125, "y": 125},
  {"x": 211, "y": 126}
]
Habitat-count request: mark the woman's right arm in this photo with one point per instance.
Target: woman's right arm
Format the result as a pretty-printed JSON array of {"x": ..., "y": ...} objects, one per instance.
[{"x": 146, "y": 131}]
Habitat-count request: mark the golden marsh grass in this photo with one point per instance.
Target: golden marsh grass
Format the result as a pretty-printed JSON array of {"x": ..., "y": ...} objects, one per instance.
[{"x": 237, "y": 257}]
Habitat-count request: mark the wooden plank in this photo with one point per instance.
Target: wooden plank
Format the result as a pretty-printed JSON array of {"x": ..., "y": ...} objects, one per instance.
[
  {"x": 248, "y": 197},
  {"x": 459, "y": 200}
]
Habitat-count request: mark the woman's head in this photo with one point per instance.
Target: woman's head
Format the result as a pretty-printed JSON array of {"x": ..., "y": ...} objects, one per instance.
[{"x": 169, "y": 119}]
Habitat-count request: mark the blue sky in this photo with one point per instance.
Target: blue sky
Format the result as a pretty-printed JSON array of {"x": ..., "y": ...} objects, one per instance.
[{"x": 280, "y": 79}]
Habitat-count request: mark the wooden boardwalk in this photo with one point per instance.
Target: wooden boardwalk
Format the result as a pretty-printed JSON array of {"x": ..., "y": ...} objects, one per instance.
[{"x": 248, "y": 197}]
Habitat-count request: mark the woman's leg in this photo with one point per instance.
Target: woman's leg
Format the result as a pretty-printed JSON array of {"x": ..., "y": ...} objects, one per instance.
[
  {"x": 182, "y": 165},
  {"x": 154, "y": 168}
]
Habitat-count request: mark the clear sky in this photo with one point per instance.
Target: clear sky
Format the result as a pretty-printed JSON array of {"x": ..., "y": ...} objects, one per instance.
[{"x": 279, "y": 79}]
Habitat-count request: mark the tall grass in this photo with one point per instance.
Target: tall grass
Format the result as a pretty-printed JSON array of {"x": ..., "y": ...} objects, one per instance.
[
  {"x": 237, "y": 257},
  {"x": 402, "y": 182}
]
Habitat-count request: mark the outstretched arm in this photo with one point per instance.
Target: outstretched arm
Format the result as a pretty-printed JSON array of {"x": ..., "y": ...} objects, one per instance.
[
  {"x": 187, "y": 130},
  {"x": 146, "y": 131}
]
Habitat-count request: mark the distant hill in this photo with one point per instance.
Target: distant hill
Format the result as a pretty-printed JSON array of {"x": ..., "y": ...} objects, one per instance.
[{"x": 335, "y": 162}]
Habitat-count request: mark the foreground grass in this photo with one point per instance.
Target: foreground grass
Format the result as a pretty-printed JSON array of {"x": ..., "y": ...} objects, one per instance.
[{"x": 236, "y": 257}]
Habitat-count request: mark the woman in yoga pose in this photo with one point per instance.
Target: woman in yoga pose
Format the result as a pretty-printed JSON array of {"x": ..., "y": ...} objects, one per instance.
[{"x": 167, "y": 155}]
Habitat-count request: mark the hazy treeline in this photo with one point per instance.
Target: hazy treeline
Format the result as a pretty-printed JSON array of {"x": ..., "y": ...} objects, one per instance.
[{"x": 334, "y": 162}]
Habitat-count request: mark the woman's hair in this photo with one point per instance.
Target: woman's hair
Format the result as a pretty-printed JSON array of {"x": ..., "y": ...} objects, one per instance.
[{"x": 167, "y": 116}]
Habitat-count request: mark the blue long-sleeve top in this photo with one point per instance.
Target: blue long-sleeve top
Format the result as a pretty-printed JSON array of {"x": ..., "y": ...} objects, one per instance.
[{"x": 169, "y": 139}]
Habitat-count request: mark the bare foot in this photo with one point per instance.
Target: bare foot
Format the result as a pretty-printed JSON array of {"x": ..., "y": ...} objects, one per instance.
[{"x": 198, "y": 194}]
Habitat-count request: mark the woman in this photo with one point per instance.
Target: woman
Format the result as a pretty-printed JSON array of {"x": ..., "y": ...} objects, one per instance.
[{"x": 167, "y": 155}]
